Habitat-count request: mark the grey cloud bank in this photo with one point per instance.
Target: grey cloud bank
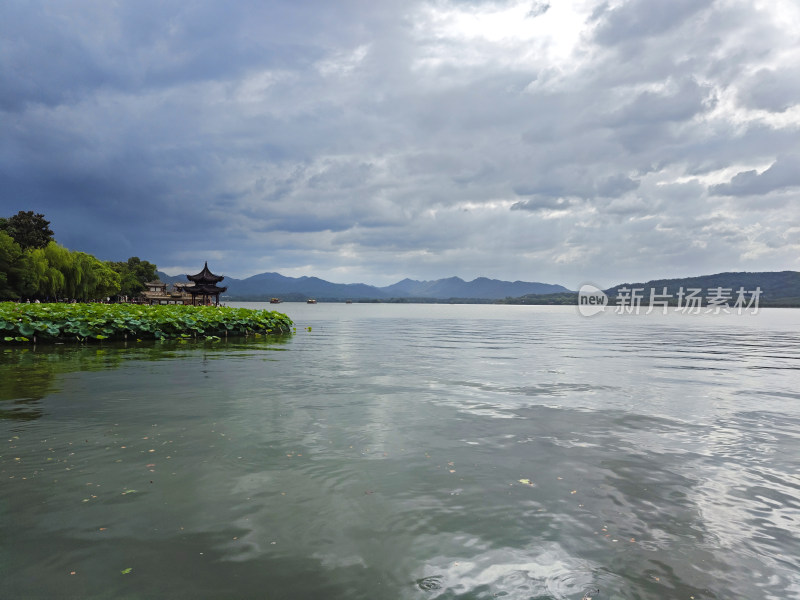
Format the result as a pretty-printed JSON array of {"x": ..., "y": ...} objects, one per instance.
[{"x": 369, "y": 142}]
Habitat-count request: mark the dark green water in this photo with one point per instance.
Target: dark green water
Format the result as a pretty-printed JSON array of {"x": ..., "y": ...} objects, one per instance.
[{"x": 380, "y": 454}]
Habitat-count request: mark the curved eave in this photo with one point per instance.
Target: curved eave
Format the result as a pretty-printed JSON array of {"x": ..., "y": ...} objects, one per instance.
[{"x": 205, "y": 276}]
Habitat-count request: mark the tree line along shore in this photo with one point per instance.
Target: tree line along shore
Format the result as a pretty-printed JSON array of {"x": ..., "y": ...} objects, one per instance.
[
  {"x": 37, "y": 274},
  {"x": 33, "y": 266}
]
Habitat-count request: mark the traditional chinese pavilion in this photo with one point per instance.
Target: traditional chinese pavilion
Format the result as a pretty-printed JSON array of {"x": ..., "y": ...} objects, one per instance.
[{"x": 205, "y": 286}]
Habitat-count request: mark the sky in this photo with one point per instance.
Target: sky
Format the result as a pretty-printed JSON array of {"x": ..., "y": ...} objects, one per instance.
[{"x": 359, "y": 141}]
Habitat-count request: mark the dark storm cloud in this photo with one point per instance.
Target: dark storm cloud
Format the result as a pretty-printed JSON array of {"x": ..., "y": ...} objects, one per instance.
[
  {"x": 364, "y": 140},
  {"x": 58, "y": 52}
]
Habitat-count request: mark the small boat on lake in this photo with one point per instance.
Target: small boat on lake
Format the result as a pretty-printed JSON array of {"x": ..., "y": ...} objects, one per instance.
[
  {"x": 275, "y": 300},
  {"x": 311, "y": 301}
]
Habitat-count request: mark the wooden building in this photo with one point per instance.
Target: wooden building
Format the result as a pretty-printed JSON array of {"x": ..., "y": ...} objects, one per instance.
[
  {"x": 202, "y": 289},
  {"x": 158, "y": 292},
  {"x": 205, "y": 287}
]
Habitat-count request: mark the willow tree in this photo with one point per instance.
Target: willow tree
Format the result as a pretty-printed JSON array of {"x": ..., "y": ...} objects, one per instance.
[
  {"x": 11, "y": 267},
  {"x": 32, "y": 264},
  {"x": 92, "y": 278},
  {"x": 105, "y": 280},
  {"x": 33, "y": 269},
  {"x": 50, "y": 280},
  {"x": 62, "y": 260}
]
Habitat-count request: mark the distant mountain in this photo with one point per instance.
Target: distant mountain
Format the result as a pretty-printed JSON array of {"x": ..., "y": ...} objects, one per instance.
[
  {"x": 776, "y": 286},
  {"x": 173, "y": 278},
  {"x": 455, "y": 287},
  {"x": 267, "y": 285}
]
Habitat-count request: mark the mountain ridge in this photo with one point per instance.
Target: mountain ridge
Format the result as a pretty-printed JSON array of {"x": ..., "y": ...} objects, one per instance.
[
  {"x": 270, "y": 284},
  {"x": 776, "y": 288}
]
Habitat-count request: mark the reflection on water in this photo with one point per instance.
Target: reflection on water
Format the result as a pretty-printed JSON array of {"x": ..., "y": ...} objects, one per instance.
[
  {"x": 30, "y": 372},
  {"x": 410, "y": 452}
]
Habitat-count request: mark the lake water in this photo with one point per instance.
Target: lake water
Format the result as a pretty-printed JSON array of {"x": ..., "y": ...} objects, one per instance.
[{"x": 411, "y": 452}]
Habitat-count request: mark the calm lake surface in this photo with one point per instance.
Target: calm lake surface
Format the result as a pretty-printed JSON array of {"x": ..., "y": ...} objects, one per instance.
[{"x": 381, "y": 453}]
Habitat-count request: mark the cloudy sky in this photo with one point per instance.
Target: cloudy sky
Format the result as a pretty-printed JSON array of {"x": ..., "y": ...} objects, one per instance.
[{"x": 368, "y": 141}]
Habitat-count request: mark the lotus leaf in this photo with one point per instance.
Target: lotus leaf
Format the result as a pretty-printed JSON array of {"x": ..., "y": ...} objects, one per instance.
[{"x": 115, "y": 321}]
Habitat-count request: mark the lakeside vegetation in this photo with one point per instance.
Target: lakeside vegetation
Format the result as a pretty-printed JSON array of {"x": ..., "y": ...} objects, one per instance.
[
  {"x": 560, "y": 298},
  {"x": 34, "y": 266},
  {"x": 30, "y": 323}
]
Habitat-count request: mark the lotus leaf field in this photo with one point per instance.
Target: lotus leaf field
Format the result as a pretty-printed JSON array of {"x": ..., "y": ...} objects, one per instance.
[{"x": 30, "y": 323}]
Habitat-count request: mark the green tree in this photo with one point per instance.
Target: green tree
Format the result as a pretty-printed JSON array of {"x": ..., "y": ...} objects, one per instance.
[
  {"x": 33, "y": 271},
  {"x": 60, "y": 263},
  {"x": 83, "y": 278},
  {"x": 99, "y": 279},
  {"x": 29, "y": 229},
  {"x": 134, "y": 273},
  {"x": 108, "y": 280},
  {"x": 49, "y": 279},
  {"x": 10, "y": 267}
]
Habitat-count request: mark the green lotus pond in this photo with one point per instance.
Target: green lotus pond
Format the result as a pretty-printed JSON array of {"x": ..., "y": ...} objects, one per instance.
[{"x": 25, "y": 323}]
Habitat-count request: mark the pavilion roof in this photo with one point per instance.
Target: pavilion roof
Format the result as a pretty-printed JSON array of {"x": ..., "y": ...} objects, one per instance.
[{"x": 205, "y": 276}]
